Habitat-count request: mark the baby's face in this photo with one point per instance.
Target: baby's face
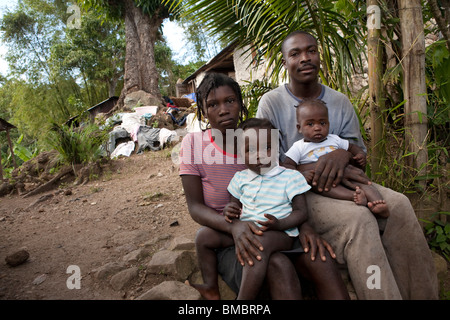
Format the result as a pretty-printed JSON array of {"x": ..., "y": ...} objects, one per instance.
[
  {"x": 259, "y": 156},
  {"x": 313, "y": 123}
]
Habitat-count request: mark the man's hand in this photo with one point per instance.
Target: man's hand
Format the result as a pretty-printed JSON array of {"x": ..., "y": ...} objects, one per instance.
[
  {"x": 311, "y": 240},
  {"x": 329, "y": 169}
]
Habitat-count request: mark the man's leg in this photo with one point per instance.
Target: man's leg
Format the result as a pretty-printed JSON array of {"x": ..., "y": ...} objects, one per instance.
[
  {"x": 353, "y": 233},
  {"x": 407, "y": 249}
]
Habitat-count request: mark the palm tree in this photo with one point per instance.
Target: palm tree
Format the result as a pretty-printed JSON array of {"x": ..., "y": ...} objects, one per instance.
[{"x": 262, "y": 25}]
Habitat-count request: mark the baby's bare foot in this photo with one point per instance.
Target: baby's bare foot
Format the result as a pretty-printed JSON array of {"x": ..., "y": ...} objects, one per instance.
[
  {"x": 379, "y": 208},
  {"x": 359, "y": 197}
]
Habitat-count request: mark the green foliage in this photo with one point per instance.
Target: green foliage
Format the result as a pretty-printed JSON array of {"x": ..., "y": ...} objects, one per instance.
[
  {"x": 22, "y": 151},
  {"x": 252, "y": 93},
  {"x": 77, "y": 145},
  {"x": 438, "y": 235},
  {"x": 264, "y": 25}
]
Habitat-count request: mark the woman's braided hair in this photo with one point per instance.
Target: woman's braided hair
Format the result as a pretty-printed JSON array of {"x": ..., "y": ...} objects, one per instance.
[{"x": 213, "y": 81}]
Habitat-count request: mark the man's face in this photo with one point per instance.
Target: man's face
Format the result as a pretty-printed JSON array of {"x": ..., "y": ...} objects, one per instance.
[{"x": 301, "y": 58}]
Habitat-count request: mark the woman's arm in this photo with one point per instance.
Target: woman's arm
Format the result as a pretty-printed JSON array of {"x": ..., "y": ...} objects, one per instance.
[{"x": 243, "y": 232}]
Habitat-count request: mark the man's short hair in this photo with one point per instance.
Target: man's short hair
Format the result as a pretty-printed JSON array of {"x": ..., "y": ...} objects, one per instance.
[{"x": 294, "y": 33}]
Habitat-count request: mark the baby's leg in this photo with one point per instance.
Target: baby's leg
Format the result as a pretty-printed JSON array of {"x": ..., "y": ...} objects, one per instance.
[
  {"x": 253, "y": 276},
  {"x": 339, "y": 192},
  {"x": 206, "y": 241},
  {"x": 375, "y": 202}
]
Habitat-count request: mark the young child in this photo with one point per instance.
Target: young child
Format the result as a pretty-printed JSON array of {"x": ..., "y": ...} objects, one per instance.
[
  {"x": 312, "y": 122},
  {"x": 265, "y": 193}
]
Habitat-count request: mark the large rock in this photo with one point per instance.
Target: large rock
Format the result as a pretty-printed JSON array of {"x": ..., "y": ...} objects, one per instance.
[
  {"x": 124, "y": 278},
  {"x": 179, "y": 264},
  {"x": 141, "y": 97},
  {"x": 171, "y": 290}
]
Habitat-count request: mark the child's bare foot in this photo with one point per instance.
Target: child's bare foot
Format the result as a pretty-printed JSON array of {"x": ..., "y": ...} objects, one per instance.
[
  {"x": 359, "y": 197},
  {"x": 379, "y": 208},
  {"x": 207, "y": 292}
]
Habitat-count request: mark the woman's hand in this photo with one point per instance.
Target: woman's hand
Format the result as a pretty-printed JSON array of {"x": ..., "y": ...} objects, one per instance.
[
  {"x": 311, "y": 240},
  {"x": 245, "y": 241}
]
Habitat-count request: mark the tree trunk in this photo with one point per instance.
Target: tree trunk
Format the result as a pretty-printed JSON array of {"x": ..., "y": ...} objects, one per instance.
[
  {"x": 141, "y": 33},
  {"x": 376, "y": 101},
  {"x": 414, "y": 87}
]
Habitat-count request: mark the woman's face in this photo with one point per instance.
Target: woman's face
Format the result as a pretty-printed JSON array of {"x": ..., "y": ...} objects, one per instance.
[{"x": 222, "y": 109}]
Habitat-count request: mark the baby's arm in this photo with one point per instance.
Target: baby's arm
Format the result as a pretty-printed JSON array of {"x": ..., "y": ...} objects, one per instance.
[
  {"x": 307, "y": 170},
  {"x": 297, "y": 217},
  {"x": 359, "y": 156}
]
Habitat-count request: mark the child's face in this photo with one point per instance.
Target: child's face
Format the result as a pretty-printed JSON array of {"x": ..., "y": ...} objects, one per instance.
[
  {"x": 222, "y": 108},
  {"x": 258, "y": 153},
  {"x": 313, "y": 123}
]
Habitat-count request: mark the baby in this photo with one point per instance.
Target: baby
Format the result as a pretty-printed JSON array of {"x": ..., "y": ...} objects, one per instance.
[{"x": 313, "y": 124}]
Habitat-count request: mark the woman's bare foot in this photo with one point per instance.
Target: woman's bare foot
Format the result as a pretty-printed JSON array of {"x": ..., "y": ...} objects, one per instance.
[
  {"x": 379, "y": 208},
  {"x": 359, "y": 197},
  {"x": 207, "y": 292}
]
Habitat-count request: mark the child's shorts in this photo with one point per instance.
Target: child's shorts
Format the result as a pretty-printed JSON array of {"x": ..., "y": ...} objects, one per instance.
[{"x": 230, "y": 269}]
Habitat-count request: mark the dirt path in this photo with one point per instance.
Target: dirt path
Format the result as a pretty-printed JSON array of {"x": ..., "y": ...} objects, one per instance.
[{"x": 136, "y": 200}]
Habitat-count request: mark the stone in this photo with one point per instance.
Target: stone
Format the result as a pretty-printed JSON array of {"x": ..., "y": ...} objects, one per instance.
[
  {"x": 440, "y": 265},
  {"x": 171, "y": 290},
  {"x": 182, "y": 243},
  {"x": 107, "y": 270},
  {"x": 124, "y": 278},
  {"x": 178, "y": 264},
  {"x": 38, "y": 280},
  {"x": 141, "y": 97},
  {"x": 17, "y": 258},
  {"x": 136, "y": 255}
]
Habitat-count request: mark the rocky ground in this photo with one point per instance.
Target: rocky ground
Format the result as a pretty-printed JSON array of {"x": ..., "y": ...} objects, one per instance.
[{"x": 117, "y": 221}]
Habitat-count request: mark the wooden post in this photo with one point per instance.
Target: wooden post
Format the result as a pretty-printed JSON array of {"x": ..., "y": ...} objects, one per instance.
[
  {"x": 11, "y": 148},
  {"x": 376, "y": 96},
  {"x": 414, "y": 86},
  {"x": 1, "y": 168}
]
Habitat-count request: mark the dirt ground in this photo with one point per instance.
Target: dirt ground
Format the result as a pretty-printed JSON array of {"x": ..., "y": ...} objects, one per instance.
[{"x": 136, "y": 200}]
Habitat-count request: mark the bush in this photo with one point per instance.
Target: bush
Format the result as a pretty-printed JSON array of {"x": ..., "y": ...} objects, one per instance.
[{"x": 77, "y": 145}]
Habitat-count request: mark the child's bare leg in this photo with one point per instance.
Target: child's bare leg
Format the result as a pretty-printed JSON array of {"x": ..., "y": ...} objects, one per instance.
[
  {"x": 375, "y": 202},
  {"x": 339, "y": 192},
  {"x": 253, "y": 276},
  {"x": 206, "y": 241}
]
